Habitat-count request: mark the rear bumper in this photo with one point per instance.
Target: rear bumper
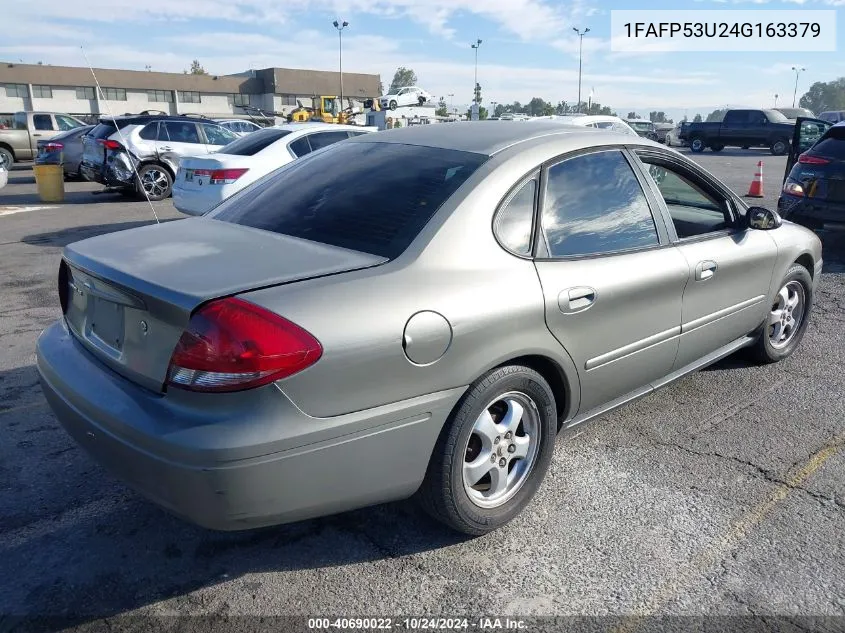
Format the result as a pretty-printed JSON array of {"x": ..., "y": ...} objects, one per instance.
[
  {"x": 112, "y": 173},
  {"x": 242, "y": 460},
  {"x": 814, "y": 214},
  {"x": 193, "y": 202}
]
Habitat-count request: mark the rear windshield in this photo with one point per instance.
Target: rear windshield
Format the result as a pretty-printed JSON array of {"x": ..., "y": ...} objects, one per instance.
[
  {"x": 369, "y": 197},
  {"x": 253, "y": 143},
  {"x": 103, "y": 130},
  {"x": 832, "y": 144}
]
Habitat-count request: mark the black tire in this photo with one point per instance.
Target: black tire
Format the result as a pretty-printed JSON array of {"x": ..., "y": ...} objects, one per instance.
[
  {"x": 697, "y": 145},
  {"x": 163, "y": 182},
  {"x": 7, "y": 158},
  {"x": 443, "y": 494},
  {"x": 765, "y": 351},
  {"x": 779, "y": 147},
  {"x": 717, "y": 148},
  {"x": 392, "y": 105}
]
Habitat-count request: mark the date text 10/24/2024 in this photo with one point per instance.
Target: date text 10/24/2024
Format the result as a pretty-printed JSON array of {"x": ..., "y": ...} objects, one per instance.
[{"x": 417, "y": 624}]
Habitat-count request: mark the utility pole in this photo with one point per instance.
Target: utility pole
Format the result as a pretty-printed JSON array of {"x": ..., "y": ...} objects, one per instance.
[
  {"x": 340, "y": 27},
  {"x": 476, "y": 46},
  {"x": 581, "y": 35},
  {"x": 798, "y": 70},
  {"x": 776, "y": 99}
]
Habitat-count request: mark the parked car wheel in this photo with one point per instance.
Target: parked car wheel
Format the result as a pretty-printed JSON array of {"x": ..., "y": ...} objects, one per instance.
[
  {"x": 697, "y": 145},
  {"x": 392, "y": 104},
  {"x": 155, "y": 182},
  {"x": 421, "y": 101},
  {"x": 780, "y": 147},
  {"x": 787, "y": 319},
  {"x": 717, "y": 148},
  {"x": 7, "y": 159},
  {"x": 493, "y": 452}
]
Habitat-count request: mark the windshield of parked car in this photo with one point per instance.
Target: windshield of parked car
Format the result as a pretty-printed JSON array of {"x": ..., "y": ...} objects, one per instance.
[
  {"x": 253, "y": 143},
  {"x": 774, "y": 115},
  {"x": 361, "y": 196}
]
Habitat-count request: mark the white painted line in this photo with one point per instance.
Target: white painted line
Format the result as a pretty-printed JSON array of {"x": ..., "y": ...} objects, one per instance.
[{"x": 9, "y": 210}]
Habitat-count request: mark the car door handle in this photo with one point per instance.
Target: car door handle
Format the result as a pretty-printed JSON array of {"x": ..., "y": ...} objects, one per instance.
[
  {"x": 705, "y": 270},
  {"x": 166, "y": 148},
  {"x": 38, "y": 135},
  {"x": 576, "y": 299}
]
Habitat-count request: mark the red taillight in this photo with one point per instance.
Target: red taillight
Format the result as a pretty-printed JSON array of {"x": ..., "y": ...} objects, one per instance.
[
  {"x": 221, "y": 176},
  {"x": 231, "y": 345},
  {"x": 53, "y": 147},
  {"x": 804, "y": 159},
  {"x": 110, "y": 144}
]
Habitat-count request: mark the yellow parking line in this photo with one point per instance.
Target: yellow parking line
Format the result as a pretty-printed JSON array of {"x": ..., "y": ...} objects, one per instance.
[
  {"x": 22, "y": 407},
  {"x": 737, "y": 532}
]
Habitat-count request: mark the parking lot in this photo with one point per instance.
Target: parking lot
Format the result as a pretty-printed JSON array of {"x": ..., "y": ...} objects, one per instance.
[{"x": 723, "y": 494}]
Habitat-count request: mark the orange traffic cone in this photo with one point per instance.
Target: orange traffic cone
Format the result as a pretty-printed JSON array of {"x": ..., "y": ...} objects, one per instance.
[{"x": 756, "y": 188}]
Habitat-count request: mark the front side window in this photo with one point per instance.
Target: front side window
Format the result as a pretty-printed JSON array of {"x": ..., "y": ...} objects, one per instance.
[
  {"x": 65, "y": 123},
  {"x": 695, "y": 208},
  {"x": 300, "y": 147},
  {"x": 360, "y": 196},
  {"x": 515, "y": 219},
  {"x": 594, "y": 204},
  {"x": 182, "y": 132}
]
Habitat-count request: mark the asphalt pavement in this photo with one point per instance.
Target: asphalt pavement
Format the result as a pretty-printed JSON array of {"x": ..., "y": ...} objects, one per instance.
[{"x": 723, "y": 494}]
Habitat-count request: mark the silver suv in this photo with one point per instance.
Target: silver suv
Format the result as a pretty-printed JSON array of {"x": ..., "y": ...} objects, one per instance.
[{"x": 152, "y": 144}]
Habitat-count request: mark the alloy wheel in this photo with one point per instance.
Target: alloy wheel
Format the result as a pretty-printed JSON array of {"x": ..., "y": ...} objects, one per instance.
[
  {"x": 787, "y": 314},
  {"x": 501, "y": 450},
  {"x": 155, "y": 182}
]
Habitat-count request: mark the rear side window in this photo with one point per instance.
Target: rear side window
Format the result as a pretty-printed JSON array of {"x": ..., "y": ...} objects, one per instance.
[
  {"x": 218, "y": 135},
  {"x": 594, "y": 204},
  {"x": 324, "y": 139},
  {"x": 516, "y": 218},
  {"x": 360, "y": 196},
  {"x": 300, "y": 147},
  {"x": 832, "y": 144},
  {"x": 253, "y": 143},
  {"x": 150, "y": 132},
  {"x": 181, "y": 132}
]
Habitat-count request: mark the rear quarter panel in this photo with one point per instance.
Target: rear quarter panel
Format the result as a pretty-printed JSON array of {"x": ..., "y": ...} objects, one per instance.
[
  {"x": 18, "y": 141},
  {"x": 492, "y": 299}
]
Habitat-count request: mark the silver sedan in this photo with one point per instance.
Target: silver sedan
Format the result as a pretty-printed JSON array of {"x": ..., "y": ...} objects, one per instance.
[{"x": 414, "y": 312}]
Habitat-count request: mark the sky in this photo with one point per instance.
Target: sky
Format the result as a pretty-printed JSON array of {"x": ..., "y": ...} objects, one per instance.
[{"x": 528, "y": 47}]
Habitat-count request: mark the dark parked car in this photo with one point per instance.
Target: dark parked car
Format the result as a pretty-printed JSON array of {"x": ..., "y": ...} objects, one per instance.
[
  {"x": 66, "y": 148},
  {"x": 813, "y": 192},
  {"x": 742, "y": 128}
]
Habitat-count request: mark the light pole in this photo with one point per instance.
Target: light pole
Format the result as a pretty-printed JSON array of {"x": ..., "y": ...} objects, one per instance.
[
  {"x": 798, "y": 70},
  {"x": 581, "y": 35},
  {"x": 340, "y": 26},
  {"x": 776, "y": 99},
  {"x": 476, "y": 46}
]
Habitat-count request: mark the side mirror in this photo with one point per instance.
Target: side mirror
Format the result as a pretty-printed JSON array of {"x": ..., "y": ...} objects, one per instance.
[{"x": 762, "y": 219}]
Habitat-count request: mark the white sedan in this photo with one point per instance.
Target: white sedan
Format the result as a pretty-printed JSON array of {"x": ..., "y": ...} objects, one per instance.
[
  {"x": 203, "y": 182},
  {"x": 601, "y": 121}
]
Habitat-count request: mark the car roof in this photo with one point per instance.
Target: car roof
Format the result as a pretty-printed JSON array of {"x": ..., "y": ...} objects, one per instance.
[
  {"x": 491, "y": 137},
  {"x": 138, "y": 119}
]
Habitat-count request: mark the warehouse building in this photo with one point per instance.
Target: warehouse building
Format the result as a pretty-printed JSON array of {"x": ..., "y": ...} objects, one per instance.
[{"x": 73, "y": 90}]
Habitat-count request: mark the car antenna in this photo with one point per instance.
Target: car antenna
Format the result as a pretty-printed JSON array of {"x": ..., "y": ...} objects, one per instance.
[{"x": 119, "y": 132}]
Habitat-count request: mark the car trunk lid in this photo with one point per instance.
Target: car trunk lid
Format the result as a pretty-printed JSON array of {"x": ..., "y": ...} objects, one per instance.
[
  {"x": 196, "y": 172},
  {"x": 127, "y": 296}
]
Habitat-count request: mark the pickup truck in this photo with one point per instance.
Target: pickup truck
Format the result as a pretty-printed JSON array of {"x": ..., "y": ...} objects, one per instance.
[
  {"x": 21, "y": 131},
  {"x": 742, "y": 128}
]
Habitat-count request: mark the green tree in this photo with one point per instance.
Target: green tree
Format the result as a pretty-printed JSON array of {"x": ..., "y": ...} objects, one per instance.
[
  {"x": 658, "y": 117},
  {"x": 196, "y": 69},
  {"x": 500, "y": 109},
  {"x": 823, "y": 96},
  {"x": 477, "y": 96},
  {"x": 442, "y": 108},
  {"x": 402, "y": 78},
  {"x": 632, "y": 115},
  {"x": 716, "y": 116},
  {"x": 482, "y": 113},
  {"x": 536, "y": 107},
  {"x": 696, "y": 118}
]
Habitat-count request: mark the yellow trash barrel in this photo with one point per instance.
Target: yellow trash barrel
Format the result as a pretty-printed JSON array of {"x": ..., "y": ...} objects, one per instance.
[{"x": 50, "y": 181}]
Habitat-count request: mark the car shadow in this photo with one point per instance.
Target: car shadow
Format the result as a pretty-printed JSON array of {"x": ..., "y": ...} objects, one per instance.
[
  {"x": 71, "y": 197},
  {"x": 87, "y": 547},
  {"x": 20, "y": 180},
  {"x": 76, "y": 233}
]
